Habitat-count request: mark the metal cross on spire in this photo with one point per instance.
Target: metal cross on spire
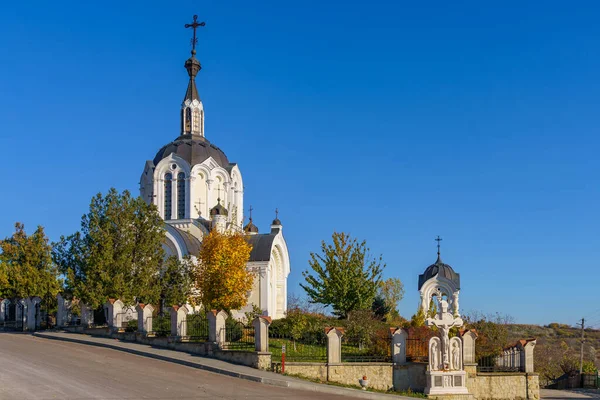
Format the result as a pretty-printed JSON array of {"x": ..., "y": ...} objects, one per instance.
[
  {"x": 438, "y": 240},
  {"x": 194, "y": 25},
  {"x": 276, "y": 213},
  {"x": 251, "y": 209}
]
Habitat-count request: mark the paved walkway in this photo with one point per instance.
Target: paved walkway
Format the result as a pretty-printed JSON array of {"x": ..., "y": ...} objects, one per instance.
[
  {"x": 213, "y": 365},
  {"x": 551, "y": 394}
]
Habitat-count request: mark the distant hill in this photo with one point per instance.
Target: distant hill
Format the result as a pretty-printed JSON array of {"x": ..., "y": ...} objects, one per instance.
[{"x": 555, "y": 333}]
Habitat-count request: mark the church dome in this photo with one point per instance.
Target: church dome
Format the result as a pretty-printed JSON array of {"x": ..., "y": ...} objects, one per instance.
[
  {"x": 218, "y": 209},
  {"x": 193, "y": 149},
  {"x": 441, "y": 269},
  {"x": 250, "y": 227}
]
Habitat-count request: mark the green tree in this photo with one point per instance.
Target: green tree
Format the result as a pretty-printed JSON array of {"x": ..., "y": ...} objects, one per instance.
[
  {"x": 418, "y": 319},
  {"x": 391, "y": 291},
  {"x": 380, "y": 308},
  {"x": 118, "y": 252},
  {"x": 26, "y": 267},
  {"x": 492, "y": 332},
  {"x": 432, "y": 309},
  {"x": 176, "y": 280},
  {"x": 345, "y": 276}
]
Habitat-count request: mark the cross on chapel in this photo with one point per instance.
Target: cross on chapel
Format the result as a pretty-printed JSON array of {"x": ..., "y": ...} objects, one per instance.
[{"x": 194, "y": 25}]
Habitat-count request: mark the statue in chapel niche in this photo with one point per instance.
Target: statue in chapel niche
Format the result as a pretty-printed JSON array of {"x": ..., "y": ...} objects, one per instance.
[
  {"x": 434, "y": 356},
  {"x": 455, "y": 356}
]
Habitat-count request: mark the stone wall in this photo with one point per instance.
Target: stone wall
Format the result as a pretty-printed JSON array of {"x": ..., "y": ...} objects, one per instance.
[
  {"x": 309, "y": 370},
  {"x": 380, "y": 375},
  {"x": 410, "y": 376},
  {"x": 504, "y": 386}
]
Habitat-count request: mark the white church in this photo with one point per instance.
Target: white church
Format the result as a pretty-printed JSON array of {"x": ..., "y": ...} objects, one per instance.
[{"x": 197, "y": 189}]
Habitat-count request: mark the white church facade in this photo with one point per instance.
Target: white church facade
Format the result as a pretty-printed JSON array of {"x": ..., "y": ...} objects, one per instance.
[{"x": 196, "y": 189}]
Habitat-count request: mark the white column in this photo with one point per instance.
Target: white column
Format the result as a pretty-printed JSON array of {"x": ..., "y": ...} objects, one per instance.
[
  {"x": 144, "y": 317},
  {"x": 178, "y": 318},
  {"x": 216, "y": 326},
  {"x": 334, "y": 345},
  {"x": 261, "y": 333},
  {"x": 87, "y": 314},
  {"x": 62, "y": 311},
  {"x": 32, "y": 317},
  {"x": 398, "y": 343},
  {"x": 468, "y": 341}
]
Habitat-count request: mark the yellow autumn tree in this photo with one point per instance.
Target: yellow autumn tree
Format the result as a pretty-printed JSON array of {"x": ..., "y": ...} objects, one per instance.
[{"x": 221, "y": 275}]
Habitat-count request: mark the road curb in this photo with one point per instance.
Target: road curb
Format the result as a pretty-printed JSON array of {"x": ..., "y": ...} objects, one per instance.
[{"x": 306, "y": 386}]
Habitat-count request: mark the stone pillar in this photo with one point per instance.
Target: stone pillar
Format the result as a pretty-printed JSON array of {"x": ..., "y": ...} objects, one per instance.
[
  {"x": 62, "y": 312},
  {"x": 178, "y": 320},
  {"x": 398, "y": 342},
  {"x": 468, "y": 341},
  {"x": 216, "y": 326},
  {"x": 334, "y": 345},
  {"x": 527, "y": 354},
  {"x": 114, "y": 316},
  {"x": 144, "y": 312},
  {"x": 261, "y": 333},
  {"x": 21, "y": 312},
  {"x": 87, "y": 315},
  {"x": 32, "y": 312}
]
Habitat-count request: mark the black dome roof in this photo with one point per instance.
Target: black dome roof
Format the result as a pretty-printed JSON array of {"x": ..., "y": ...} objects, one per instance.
[
  {"x": 251, "y": 228},
  {"x": 193, "y": 149},
  {"x": 443, "y": 270}
]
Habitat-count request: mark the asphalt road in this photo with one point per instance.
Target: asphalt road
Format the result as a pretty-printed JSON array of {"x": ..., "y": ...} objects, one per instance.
[{"x": 33, "y": 368}]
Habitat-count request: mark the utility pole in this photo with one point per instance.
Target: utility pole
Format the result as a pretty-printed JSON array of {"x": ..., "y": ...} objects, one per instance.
[{"x": 582, "y": 341}]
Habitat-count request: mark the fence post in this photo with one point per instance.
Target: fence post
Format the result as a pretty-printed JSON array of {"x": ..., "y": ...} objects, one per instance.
[
  {"x": 398, "y": 343},
  {"x": 87, "y": 315},
  {"x": 261, "y": 333},
  {"x": 144, "y": 312},
  {"x": 216, "y": 326},
  {"x": 178, "y": 318},
  {"x": 32, "y": 309},
  {"x": 527, "y": 354},
  {"x": 2, "y": 308},
  {"x": 61, "y": 312},
  {"x": 468, "y": 338},
  {"x": 334, "y": 345}
]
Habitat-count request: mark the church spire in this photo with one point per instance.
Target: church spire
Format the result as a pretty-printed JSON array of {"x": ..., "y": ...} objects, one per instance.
[{"x": 192, "y": 111}]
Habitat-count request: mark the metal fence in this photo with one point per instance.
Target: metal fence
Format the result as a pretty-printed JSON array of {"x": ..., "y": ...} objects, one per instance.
[
  {"x": 417, "y": 349},
  {"x": 510, "y": 360},
  {"x": 237, "y": 336},
  {"x": 196, "y": 327},
  {"x": 14, "y": 317},
  {"x": 161, "y": 325},
  {"x": 308, "y": 347},
  {"x": 374, "y": 347}
]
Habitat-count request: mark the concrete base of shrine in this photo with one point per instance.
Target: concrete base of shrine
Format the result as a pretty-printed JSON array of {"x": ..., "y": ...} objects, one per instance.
[{"x": 446, "y": 382}]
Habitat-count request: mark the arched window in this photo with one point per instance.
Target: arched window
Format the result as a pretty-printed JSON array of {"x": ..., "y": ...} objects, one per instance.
[
  {"x": 180, "y": 195},
  {"x": 188, "y": 120},
  {"x": 168, "y": 190},
  {"x": 196, "y": 121},
  {"x": 202, "y": 122}
]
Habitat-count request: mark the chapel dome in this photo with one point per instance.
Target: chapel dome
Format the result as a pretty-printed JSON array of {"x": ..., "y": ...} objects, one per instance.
[
  {"x": 441, "y": 269},
  {"x": 193, "y": 149}
]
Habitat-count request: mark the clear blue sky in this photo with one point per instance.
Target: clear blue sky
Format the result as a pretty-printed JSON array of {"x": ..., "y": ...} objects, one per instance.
[{"x": 392, "y": 121}]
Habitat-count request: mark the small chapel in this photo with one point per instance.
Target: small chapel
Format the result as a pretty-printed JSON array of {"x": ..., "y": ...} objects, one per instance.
[{"x": 196, "y": 189}]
